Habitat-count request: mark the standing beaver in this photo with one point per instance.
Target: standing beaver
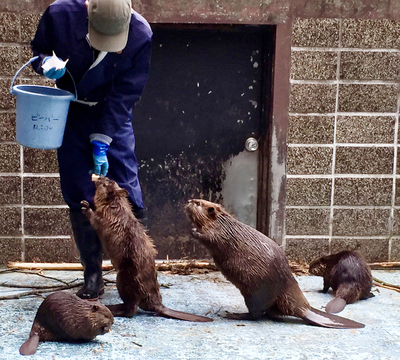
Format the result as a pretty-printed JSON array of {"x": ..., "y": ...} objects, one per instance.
[
  {"x": 349, "y": 276},
  {"x": 131, "y": 251},
  {"x": 256, "y": 265},
  {"x": 63, "y": 316}
]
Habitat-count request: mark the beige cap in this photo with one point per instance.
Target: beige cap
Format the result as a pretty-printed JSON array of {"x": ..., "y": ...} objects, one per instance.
[{"x": 109, "y": 24}]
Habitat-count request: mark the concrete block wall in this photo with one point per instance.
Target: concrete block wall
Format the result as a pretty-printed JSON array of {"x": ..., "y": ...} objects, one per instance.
[
  {"x": 343, "y": 173},
  {"x": 34, "y": 223},
  {"x": 342, "y": 149}
]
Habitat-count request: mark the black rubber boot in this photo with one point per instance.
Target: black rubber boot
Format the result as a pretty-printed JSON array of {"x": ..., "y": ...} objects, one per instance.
[
  {"x": 141, "y": 214},
  {"x": 91, "y": 254}
]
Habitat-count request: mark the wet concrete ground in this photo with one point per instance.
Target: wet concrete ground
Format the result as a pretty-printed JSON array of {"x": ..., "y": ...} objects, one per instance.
[{"x": 150, "y": 337}]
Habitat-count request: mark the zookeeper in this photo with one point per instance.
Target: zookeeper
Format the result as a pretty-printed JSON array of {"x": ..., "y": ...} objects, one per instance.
[{"x": 108, "y": 47}]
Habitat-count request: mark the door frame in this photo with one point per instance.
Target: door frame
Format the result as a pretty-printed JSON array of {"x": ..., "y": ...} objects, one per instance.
[{"x": 273, "y": 150}]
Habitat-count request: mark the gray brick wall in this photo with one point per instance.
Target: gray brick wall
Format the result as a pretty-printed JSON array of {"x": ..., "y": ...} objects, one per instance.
[
  {"x": 34, "y": 222},
  {"x": 342, "y": 162},
  {"x": 343, "y": 183}
]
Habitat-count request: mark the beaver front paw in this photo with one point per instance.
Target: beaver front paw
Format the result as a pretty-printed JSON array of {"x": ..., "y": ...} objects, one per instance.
[
  {"x": 85, "y": 206},
  {"x": 195, "y": 232}
]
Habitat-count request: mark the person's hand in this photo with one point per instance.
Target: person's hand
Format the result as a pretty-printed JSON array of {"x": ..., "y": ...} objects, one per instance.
[
  {"x": 100, "y": 158},
  {"x": 53, "y": 73}
]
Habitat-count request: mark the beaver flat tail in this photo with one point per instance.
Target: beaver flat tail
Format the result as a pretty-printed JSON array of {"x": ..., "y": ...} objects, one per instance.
[
  {"x": 320, "y": 318},
  {"x": 336, "y": 305},
  {"x": 29, "y": 347},
  {"x": 174, "y": 314}
]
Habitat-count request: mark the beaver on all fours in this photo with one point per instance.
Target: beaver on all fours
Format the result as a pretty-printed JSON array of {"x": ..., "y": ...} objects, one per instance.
[
  {"x": 63, "y": 316},
  {"x": 256, "y": 265},
  {"x": 131, "y": 251},
  {"x": 349, "y": 276}
]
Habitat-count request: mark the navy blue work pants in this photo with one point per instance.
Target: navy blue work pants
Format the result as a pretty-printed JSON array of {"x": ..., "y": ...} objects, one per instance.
[{"x": 75, "y": 158}]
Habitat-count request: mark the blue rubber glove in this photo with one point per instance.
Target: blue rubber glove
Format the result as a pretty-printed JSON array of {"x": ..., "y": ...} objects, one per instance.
[
  {"x": 100, "y": 158},
  {"x": 53, "y": 73}
]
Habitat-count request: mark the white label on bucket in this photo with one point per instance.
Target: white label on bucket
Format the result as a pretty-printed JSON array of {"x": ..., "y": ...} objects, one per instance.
[{"x": 54, "y": 62}]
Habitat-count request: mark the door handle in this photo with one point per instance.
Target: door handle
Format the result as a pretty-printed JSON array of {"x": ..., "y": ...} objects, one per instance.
[{"x": 251, "y": 144}]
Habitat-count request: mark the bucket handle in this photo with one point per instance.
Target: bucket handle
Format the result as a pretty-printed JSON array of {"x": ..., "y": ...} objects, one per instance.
[{"x": 26, "y": 64}]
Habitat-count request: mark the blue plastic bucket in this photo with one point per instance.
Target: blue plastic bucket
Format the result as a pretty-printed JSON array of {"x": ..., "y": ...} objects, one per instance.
[{"x": 41, "y": 114}]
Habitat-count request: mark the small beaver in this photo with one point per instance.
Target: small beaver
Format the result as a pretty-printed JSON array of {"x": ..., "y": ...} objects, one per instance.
[
  {"x": 131, "y": 251},
  {"x": 349, "y": 276},
  {"x": 63, "y": 316},
  {"x": 256, "y": 265}
]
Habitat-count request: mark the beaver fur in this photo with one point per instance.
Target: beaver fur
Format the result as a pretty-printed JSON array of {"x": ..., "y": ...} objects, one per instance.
[
  {"x": 131, "y": 251},
  {"x": 256, "y": 265},
  {"x": 63, "y": 316},
  {"x": 347, "y": 274}
]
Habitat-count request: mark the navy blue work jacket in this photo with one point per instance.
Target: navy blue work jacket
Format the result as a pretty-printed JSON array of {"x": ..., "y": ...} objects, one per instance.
[{"x": 116, "y": 83}]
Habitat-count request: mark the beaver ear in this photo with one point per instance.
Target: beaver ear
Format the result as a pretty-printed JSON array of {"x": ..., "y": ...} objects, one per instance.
[
  {"x": 211, "y": 211},
  {"x": 95, "y": 308},
  {"x": 323, "y": 260},
  {"x": 122, "y": 192}
]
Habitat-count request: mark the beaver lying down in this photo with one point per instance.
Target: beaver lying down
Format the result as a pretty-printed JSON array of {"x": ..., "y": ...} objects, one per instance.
[
  {"x": 63, "y": 316},
  {"x": 256, "y": 265},
  {"x": 131, "y": 251}
]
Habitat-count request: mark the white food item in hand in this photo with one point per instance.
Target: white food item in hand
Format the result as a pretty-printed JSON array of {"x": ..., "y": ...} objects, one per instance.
[{"x": 54, "y": 62}]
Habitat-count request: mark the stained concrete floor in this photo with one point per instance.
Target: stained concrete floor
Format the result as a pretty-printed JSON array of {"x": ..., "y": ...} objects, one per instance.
[{"x": 149, "y": 337}]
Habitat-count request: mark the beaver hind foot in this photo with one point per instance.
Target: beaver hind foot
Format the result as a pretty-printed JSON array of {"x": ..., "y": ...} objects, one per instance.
[{"x": 121, "y": 310}]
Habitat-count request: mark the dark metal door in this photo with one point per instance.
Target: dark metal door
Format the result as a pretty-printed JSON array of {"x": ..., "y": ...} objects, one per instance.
[{"x": 205, "y": 97}]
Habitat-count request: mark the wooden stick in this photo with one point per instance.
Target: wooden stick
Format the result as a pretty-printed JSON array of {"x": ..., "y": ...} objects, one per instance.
[
  {"x": 384, "y": 265},
  {"x": 52, "y": 266},
  {"x": 161, "y": 265},
  {"x": 171, "y": 265}
]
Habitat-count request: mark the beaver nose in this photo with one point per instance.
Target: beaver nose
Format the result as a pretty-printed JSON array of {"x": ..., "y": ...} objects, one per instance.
[{"x": 105, "y": 329}]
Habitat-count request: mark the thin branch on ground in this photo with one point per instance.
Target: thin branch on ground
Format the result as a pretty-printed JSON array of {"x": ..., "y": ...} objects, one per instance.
[
  {"x": 39, "y": 291},
  {"x": 385, "y": 285},
  {"x": 22, "y": 286},
  {"x": 42, "y": 289},
  {"x": 6, "y": 271},
  {"x": 38, "y": 273}
]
